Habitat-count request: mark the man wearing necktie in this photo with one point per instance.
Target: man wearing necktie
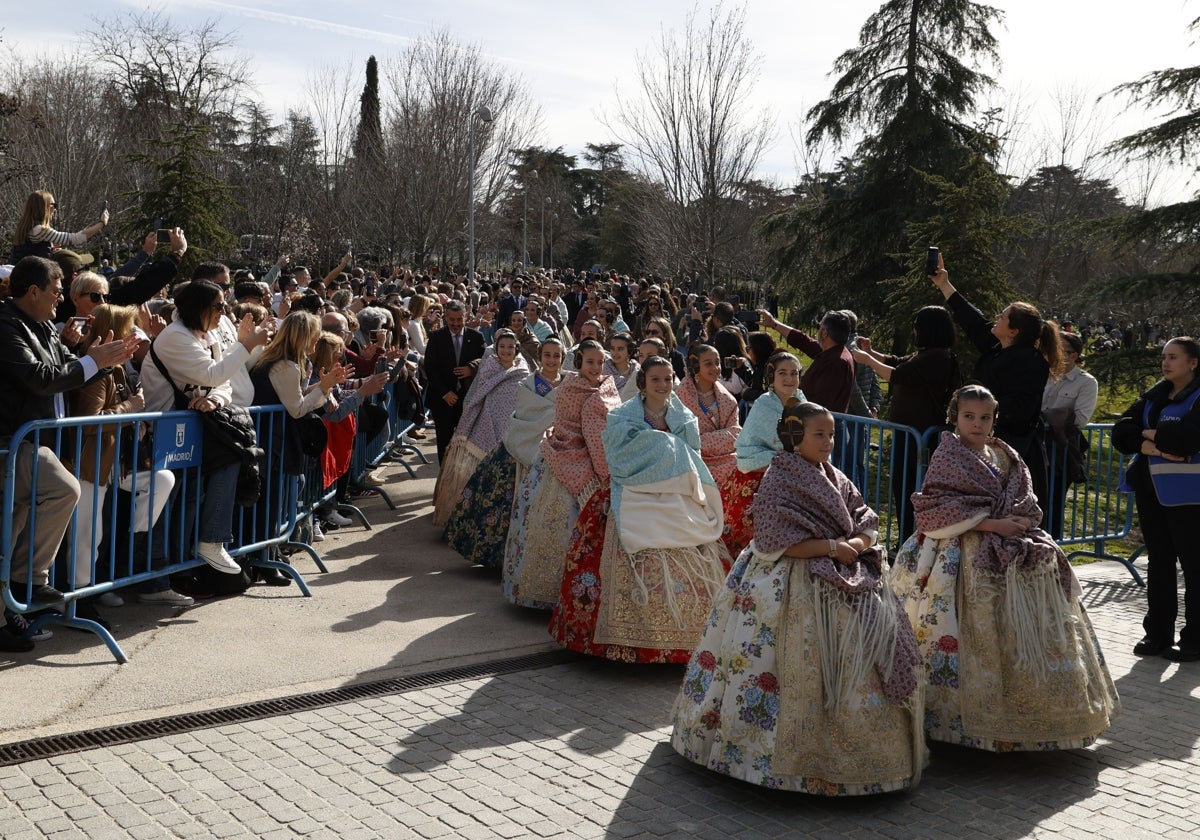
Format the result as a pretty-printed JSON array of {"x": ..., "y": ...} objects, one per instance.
[{"x": 452, "y": 356}]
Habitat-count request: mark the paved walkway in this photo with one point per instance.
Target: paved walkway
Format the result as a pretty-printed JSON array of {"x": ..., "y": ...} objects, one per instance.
[{"x": 579, "y": 750}]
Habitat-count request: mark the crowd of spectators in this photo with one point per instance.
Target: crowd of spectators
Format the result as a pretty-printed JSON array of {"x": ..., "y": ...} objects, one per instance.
[{"x": 138, "y": 336}]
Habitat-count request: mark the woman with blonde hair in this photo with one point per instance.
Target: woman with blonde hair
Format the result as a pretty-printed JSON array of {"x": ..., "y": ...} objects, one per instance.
[
  {"x": 281, "y": 377},
  {"x": 417, "y": 336},
  {"x": 34, "y": 236}
]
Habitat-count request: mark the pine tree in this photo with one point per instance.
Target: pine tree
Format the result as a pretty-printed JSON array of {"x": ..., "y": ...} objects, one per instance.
[
  {"x": 1175, "y": 139},
  {"x": 906, "y": 86},
  {"x": 368, "y": 143},
  {"x": 184, "y": 195}
]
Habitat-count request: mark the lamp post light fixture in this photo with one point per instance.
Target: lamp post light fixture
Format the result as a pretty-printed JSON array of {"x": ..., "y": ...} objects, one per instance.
[
  {"x": 553, "y": 219},
  {"x": 542, "y": 255},
  {"x": 484, "y": 114},
  {"x": 532, "y": 176}
]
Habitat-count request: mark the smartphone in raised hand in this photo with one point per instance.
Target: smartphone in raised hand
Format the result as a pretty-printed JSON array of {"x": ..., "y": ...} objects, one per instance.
[{"x": 931, "y": 261}]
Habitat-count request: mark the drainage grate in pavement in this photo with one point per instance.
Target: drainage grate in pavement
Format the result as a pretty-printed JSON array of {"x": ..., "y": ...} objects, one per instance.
[{"x": 53, "y": 745}]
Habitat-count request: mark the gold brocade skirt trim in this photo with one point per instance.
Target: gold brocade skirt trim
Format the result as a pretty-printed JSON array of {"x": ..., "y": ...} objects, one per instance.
[
  {"x": 658, "y": 599},
  {"x": 552, "y": 515},
  {"x": 462, "y": 459},
  {"x": 848, "y": 741}
]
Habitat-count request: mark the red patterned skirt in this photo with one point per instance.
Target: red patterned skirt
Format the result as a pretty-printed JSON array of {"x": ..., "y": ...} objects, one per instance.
[
  {"x": 737, "y": 496},
  {"x": 573, "y": 622}
]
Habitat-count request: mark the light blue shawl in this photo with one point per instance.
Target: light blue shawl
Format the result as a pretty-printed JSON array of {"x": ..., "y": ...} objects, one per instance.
[
  {"x": 759, "y": 442},
  {"x": 638, "y": 454}
]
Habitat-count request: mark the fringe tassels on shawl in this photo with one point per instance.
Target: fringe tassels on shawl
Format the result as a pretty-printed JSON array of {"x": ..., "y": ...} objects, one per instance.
[
  {"x": 462, "y": 459},
  {"x": 698, "y": 568},
  {"x": 871, "y": 630},
  {"x": 867, "y": 640},
  {"x": 1036, "y": 614}
]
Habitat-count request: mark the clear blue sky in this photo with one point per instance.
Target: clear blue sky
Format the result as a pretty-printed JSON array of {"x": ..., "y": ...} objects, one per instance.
[{"x": 574, "y": 54}]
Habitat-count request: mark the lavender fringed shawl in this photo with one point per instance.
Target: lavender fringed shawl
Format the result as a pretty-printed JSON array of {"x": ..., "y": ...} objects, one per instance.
[
  {"x": 490, "y": 402},
  {"x": 959, "y": 486},
  {"x": 799, "y": 500}
]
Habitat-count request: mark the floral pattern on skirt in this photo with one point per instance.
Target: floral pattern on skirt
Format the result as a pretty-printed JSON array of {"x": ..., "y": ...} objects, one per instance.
[
  {"x": 533, "y": 561},
  {"x": 573, "y": 622},
  {"x": 737, "y": 497},
  {"x": 977, "y": 694},
  {"x": 734, "y": 695},
  {"x": 478, "y": 525}
]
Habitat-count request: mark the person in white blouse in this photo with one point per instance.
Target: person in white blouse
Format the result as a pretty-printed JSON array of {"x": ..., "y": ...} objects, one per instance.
[{"x": 1068, "y": 403}]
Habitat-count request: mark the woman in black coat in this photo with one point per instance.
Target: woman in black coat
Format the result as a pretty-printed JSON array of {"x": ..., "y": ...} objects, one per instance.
[{"x": 1018, "y": 354}]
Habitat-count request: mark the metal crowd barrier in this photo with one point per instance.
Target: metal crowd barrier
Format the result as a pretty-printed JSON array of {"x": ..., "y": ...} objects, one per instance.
[
  {"x": 1095, "y": 511},
  {"x": 1092, "y": 515},
  {"x": 871, "y": 452},
  {"x": 120, "y": 559}
]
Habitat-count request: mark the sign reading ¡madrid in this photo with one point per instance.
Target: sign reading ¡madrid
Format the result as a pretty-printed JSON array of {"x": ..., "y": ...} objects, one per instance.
[{"x": 178, "y": 443}]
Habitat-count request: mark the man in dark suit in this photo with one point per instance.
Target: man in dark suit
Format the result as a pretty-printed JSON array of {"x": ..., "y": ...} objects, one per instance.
[
  {"x": 575, "y": 301},
  {"x": 452, "y": 356},
  {"x": 515, "y": 302}
]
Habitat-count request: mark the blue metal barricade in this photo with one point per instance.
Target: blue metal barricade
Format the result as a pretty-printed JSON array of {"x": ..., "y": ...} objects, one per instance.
[
  {"x": 1093, "y": 511},
  {"x": 883, "y": 460},
  {"x": 269, "y": 523},
  {"x": 113, "y": 538}
]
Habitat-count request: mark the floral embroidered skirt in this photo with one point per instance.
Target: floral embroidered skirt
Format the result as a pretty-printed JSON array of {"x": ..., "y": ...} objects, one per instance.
[
  {"x": 752, "y": 704},
  {"x": 543, "y": 516},
  {"x": 478, "y": 525},
  {"x": 646, "y": 608},
  {"x": 737, "y": 496},
  {"x": 979, "y": 695}
]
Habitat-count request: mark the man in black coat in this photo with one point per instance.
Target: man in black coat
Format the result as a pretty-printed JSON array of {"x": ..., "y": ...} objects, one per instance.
[
  {"x": 37, "y": 372},
  {"x": 452, "y": 356}
]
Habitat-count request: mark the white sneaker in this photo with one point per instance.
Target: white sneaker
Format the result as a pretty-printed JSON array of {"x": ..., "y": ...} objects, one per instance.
[
  {"x": 166, "y": 598},
  {"x": 338, "y": 520},
  {"x": 371, "y": 479},
  {"x": 215, "y": 555},
  {"x": 110, "y": 599},
  {"x": 317, "y": 534}
]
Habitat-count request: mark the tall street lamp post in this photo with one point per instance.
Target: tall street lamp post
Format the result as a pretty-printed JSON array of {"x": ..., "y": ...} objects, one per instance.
[
  {"x": 532, "y": 176},
  {"x": 484, "y": 114}
]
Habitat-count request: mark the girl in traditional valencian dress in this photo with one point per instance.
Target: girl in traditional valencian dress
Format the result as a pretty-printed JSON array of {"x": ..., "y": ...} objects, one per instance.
[
  {"x": 756, "y": 445},
  {"x": 487, "y": 408},
  {"x": 1012, "y": 662},
  {"x": 534, "y": 417},
  {"x": 807, "y": 676},
  {"x": 639, "y": 588},
  {"x": 716, "y": 411}
]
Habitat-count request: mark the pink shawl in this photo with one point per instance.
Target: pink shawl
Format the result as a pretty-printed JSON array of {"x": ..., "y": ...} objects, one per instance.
[
  {"x": 573, "y": 449},
  {"x": 960, "y": 486},
  {"x": 719, "y": 430}
]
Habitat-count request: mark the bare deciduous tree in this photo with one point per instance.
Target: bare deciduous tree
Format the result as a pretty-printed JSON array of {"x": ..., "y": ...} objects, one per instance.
[
  {"x": 689, "y": 133},
  {"x": 433, "y": 89},
  {"x": 66, "y": 137}
]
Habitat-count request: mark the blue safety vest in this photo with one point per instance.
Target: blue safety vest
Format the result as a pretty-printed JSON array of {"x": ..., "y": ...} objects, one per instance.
[{"x": 1175, "y": 482}]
